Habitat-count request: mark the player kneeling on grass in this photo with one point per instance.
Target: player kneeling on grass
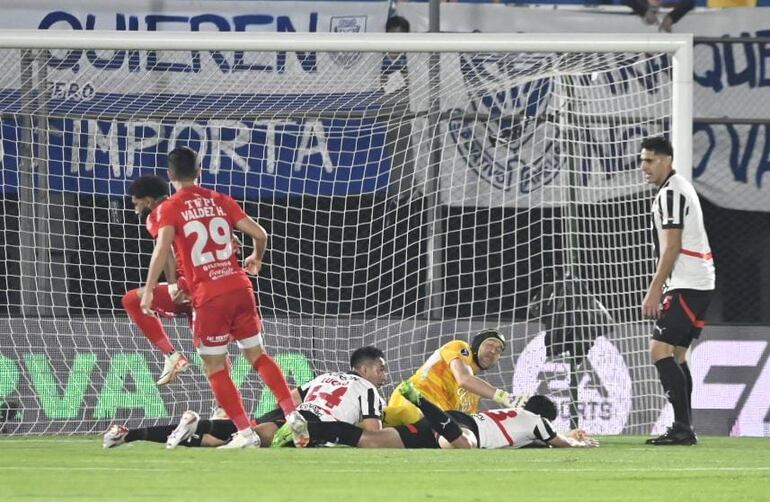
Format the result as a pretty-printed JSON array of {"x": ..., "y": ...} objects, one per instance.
[
  {"x": 351, "y": 398},
  {"x": 504, "y": 428}
]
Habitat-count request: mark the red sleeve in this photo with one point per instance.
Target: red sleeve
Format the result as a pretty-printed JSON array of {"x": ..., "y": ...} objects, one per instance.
[
  {"x": 167, "y": 216},
  {"x": 234, "y": 210}
]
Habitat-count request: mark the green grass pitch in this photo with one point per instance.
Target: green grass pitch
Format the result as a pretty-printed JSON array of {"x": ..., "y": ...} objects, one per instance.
[{"x": 623, "y": 469}]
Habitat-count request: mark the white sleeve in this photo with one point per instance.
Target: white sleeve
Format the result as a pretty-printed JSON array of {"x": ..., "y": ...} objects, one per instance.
[
  {"x": 672, "y": 207},
  {"x": 371, "y": 403},
  {"x": 543, "y": 430}
]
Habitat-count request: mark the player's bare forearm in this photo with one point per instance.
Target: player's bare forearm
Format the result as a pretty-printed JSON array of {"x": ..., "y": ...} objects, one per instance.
[
  {"x": 468, "y": 381},
  {"x": 560, "y": 441},
  {"x": 258, "y": 235},
  {"x": 371, "y": 424},
  {"x": 160, "y": 256},
  {"x": 670, "y": 246}
]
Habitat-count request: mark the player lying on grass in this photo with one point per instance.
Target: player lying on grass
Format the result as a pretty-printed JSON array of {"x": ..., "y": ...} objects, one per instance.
[
  {"x": 504, "y": 428},
  {"x": 193, "y": 431},
  {"x": 350, "y": 397},
  {"x": 448, "y": 378}
]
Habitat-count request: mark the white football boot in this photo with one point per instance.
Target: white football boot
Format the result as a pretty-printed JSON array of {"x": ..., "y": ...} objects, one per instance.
[
  {"x": 115, "y": 436},
  {"x": 175, "y": 363},
  {"x": 243, "y": 439},
  {"x": 185, "y": 430}
]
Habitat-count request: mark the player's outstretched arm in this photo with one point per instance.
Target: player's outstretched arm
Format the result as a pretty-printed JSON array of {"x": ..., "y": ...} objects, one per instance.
[
  {"x": 258, "y": 235},
  {"x": 561, "y": 441},
  {"x": 470, "y": 382}
]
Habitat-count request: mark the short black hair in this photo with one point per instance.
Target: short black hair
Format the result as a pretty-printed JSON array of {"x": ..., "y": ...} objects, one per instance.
[
  {"x": 658, "y": 144},
  {"x": 397, "y": 23},
  {"x": 364, "y": 354},
  {"x": 183, "y": 163},
  {"x": 541, "y": 405},
  {"x": 149, "y": 186}
]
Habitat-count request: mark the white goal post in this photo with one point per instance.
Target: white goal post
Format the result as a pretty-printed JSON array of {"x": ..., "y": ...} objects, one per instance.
[{"x": 416, "y": 187}]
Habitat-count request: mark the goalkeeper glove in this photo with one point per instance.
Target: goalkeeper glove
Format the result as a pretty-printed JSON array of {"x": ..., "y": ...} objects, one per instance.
[{"x": 509, "y": 400}]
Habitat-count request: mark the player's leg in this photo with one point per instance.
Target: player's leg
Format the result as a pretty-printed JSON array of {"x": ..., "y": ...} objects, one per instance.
[
  {"x": 693, "y": 304},
  {"x": 438, "y": 420},
  {"x": 210, "y": 327},
  {"x": 246, "y": 329},
  {"x": 669, "y": 332},
  {"x": 152, "y": 328},
  {"x": 680, "y": 354},
  {"x": 399, "y": 411}
]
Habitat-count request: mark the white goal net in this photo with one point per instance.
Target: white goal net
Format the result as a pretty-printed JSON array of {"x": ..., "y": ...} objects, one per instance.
[{"x": 416, "y": 189}]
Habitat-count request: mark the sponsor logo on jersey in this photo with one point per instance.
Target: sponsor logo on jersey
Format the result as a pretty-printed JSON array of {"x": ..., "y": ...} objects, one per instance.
[{"x": 604, "y": 385}]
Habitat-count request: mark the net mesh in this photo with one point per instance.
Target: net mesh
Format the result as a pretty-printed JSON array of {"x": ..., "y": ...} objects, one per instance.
[{"x": 410, "y": 199}]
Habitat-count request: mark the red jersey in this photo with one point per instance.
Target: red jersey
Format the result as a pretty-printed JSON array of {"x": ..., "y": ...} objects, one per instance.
[
  {"x": 203, "y": 221},
  {"x": 152, "y": 221}
]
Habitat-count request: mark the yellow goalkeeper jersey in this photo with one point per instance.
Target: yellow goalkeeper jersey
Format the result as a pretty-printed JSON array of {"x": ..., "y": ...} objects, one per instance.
[{"x": 437, "y": 383}]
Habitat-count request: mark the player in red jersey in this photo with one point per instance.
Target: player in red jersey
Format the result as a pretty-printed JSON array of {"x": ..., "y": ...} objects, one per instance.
[
  {"x": 199, "y": 222},
  {"x": 147, "y": 195}
]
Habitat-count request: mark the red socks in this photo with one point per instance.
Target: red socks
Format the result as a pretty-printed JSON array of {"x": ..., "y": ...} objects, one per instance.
[
  {"x": 273, "y": 377},
  {"x": 229, "y": 398},
  {"x": 150, "y": 326}
]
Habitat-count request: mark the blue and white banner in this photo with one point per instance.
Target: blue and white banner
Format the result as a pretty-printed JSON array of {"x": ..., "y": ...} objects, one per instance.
[
  {"x": 253, "y": 117},
  {"x": 730, "y": 163}
]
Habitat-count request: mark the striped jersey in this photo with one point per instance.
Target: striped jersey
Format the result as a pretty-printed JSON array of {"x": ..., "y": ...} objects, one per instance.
[
  {"x": 511, "y": 428},
  {"x": 677, "y": 206},
  {"x": 341, "y": 397}
]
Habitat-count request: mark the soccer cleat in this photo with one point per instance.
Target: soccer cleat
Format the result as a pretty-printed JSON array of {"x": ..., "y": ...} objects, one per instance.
[
  {"x": 175, "y": 363},
  {"x": 298, "y": 426},
  {"x": 115, "y": 436},
  {"x": 184, "y": 431},
  {"x": 242, "y": 439},
  {"x": 677, "y": 434},
  {"x": 408, "y": 390},
  {"x": 282, "y": 437}
]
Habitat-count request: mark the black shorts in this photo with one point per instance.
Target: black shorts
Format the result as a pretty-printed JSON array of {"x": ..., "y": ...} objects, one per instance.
[
  {"x": 418, "y": 435},
  {"x": 681, "y": 319}
]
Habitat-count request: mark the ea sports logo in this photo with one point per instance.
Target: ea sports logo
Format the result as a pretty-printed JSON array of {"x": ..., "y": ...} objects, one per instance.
[
  {"x": 604, "y": 389},
  {"x": 506, "y": 137}
]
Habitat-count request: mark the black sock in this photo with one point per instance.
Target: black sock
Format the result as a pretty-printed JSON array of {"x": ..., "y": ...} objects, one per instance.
[
  {"x": 440, "y": 421},
  {"x": 673, "y": 381},
  {"x": 157, "y": 434},
  {"x": 334, "y": 432},
  {"x": 688, "y": 387}
]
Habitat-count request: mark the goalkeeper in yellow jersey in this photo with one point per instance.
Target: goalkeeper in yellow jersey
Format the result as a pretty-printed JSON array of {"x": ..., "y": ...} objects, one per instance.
[{"x": 448, "y": 379}]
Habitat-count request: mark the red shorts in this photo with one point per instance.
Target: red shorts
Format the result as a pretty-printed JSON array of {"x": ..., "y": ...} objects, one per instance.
[
  {"x": 229, "y": 316},
  {"x": 165, "y": 306}
]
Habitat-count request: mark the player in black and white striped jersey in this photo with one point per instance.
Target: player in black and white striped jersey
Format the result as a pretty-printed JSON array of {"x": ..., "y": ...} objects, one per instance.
[
  {"x": 681, "y": 289},
  {"x": 351, "y": 397}
]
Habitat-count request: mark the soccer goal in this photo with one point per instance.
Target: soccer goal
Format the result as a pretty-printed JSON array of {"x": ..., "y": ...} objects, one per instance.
[{"x": 416, "y": 188}]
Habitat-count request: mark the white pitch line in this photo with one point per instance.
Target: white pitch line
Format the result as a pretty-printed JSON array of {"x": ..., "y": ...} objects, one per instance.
[{"x": 32, "y": 468}]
